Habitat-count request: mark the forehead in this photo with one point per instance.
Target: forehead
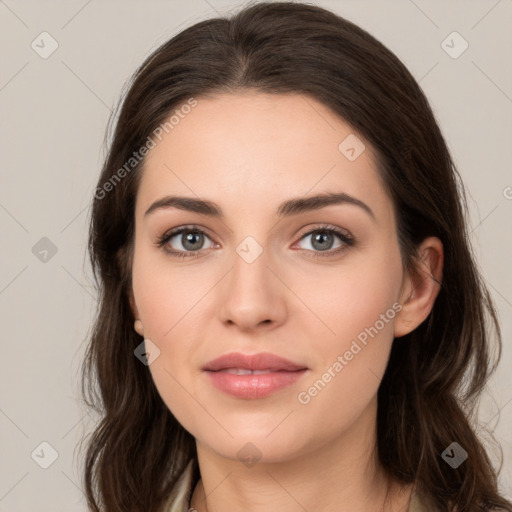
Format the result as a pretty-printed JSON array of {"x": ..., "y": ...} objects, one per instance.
[{"x": 253, "y": 150}]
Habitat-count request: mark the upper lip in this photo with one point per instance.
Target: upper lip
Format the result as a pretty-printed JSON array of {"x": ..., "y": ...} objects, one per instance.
[{"x": 261, "y": 361}]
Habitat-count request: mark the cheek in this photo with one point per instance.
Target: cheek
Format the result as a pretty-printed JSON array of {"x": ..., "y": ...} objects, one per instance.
[
  {"x": 358, "y": 305},
  {"x": 166, "y": 295},
  {"x": 171, "y": 302},
  {"x": 167, "y": 300},
  {"x": 356, "y": 296},
  {"x": 352, "y": 362}
]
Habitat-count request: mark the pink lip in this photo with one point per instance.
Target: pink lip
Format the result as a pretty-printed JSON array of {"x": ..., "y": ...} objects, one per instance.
[
  {"x": 261, "y": 361},
  {"x": 281, "y": 373}
]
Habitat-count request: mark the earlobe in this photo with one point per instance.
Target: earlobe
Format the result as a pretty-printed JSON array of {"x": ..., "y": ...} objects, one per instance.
[
  {"x": 138, "y": 327},
  {"x": 422, "y": 288}
]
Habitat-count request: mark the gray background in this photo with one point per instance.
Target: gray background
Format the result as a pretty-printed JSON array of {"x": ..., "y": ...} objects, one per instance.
[{"x": 54, "y": 112}]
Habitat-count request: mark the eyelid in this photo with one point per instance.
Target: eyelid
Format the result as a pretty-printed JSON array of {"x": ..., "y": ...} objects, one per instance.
[{"x": 326, "y": 227}]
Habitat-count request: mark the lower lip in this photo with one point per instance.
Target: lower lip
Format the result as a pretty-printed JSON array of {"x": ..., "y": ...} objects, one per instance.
[{"x": 253, "y": 386}]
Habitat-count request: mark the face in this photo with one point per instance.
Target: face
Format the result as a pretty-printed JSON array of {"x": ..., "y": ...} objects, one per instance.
[{"x": 260, "y": 278}]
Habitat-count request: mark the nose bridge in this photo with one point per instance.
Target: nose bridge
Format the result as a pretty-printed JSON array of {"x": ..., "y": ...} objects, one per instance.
[
  {"x": 250, "y": 264},
  {"x": 251, "y": 292}
]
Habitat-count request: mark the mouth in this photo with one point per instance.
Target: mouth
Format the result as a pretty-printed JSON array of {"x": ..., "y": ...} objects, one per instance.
[
  {"x": 248, "y": 385},
  {"x": 252, "y": 376},
  {"x": 246, "y": 371},
  {"x": 263, "y": 362}
]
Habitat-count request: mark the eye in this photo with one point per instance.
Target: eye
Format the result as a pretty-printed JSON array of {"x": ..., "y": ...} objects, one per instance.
[
  {"x": 323, "y": 239},
  {"x": 189, "y": 240}
]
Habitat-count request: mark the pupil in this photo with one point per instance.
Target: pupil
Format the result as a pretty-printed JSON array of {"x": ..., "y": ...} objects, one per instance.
[
  {"x": 189, "y": 240},
  {"x": 322, "y": 238}
]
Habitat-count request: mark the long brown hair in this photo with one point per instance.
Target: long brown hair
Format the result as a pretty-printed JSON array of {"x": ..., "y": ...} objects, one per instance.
[{"x": 429, "y": 394}]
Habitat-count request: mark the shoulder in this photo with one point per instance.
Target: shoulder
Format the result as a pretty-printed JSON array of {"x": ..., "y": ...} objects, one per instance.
[
  {"x": 180, "y": 498},
  {"x": 418, "y": 504},
  {"x": 179, "y": 501}
]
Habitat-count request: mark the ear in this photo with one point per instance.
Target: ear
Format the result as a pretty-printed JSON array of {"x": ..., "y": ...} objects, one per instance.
[
  {"x": 137, "y": 324},
  {"x": 419, "y": 291},
  {"x": 133, "y": 306}
]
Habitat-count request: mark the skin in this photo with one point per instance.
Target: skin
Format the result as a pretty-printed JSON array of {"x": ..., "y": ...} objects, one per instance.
[{"x": 249, "y": 152}]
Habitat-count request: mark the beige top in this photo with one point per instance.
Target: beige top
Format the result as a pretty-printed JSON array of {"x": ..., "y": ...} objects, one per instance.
[{"x": 180, "y": 500}]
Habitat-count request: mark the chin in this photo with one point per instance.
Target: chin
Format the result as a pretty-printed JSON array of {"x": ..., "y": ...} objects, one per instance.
[{"x": 251, "y": 447}]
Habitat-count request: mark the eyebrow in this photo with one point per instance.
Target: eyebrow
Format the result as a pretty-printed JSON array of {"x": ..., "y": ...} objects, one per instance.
[{"x": 289, "y": 207}]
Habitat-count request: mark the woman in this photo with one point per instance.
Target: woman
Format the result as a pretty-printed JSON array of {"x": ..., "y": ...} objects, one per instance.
[{"x": 289, "y": 303}]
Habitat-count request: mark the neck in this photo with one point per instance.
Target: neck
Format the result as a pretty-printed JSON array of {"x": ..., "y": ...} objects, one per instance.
[{"x": 340, "y": 476}]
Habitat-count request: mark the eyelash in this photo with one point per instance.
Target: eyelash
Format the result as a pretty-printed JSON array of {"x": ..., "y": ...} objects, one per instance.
[{"x": 348, "y": 240}]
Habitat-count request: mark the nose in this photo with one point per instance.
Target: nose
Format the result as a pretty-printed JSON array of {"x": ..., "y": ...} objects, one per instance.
[{"x": 252, "y": 295}]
